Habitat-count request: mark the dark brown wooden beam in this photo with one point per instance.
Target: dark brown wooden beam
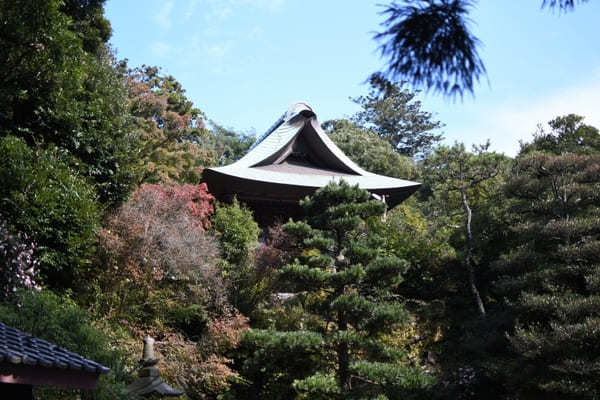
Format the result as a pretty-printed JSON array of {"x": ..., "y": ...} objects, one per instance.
[{"x": 21, "y": 374}]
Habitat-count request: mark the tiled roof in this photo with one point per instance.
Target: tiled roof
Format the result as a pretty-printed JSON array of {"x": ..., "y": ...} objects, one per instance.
[
  {"x": 267, "y": 172},
  {"x": 17, "y": 347}
]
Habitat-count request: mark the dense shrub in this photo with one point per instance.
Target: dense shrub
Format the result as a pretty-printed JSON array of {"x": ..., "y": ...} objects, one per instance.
[
  {"x": 154, "y": 253},
  {"x": 238, "y": 232},
  {"x": 201, "y": 366},
  {"x": 549, "y": 281},
  {"x": 238, "y": 236},
  {"x": 408, "y": 235},
  {"x": 42, "y": 195}
]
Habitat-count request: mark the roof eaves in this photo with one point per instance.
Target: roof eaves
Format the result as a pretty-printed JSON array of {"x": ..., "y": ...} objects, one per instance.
[{"x": 17, "y": 347}]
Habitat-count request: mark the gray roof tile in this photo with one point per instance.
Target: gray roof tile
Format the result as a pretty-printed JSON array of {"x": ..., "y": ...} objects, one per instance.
[
  {"x": 17, "y": 347},
  {"x": 255, "y": 167}
]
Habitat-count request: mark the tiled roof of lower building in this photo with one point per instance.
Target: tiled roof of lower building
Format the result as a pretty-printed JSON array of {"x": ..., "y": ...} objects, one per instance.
[{"x": 17, "y": 347}]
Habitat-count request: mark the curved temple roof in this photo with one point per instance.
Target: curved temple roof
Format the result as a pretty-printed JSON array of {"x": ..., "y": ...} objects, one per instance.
[{"x": 293, "y": 159}]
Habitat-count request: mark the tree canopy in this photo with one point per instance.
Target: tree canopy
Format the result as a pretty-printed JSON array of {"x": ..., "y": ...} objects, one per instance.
[
  {"x": 380, "y": 157},
  {"x": 568, "y": 135},
  {"x": 343, "y": 285},
  {"x": 550, "y": 280},
  {"x": 169, "y": 127},
  {"x": 392, "y": 112},
  {"x": 55, "y": 93}
]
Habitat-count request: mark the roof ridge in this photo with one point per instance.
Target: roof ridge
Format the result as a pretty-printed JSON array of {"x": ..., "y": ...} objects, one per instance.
[
  {"x": 291, "y": 112},
  {"x": 272, "y": 129}
]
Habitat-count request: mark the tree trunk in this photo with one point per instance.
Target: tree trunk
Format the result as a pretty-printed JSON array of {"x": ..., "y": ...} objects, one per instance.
[
  {"x": 343, "y": 358},
  {"x": 468, "y": 254}
]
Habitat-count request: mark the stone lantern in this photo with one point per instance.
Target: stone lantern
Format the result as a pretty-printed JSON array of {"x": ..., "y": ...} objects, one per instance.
[{"x": 149, "y": 382}]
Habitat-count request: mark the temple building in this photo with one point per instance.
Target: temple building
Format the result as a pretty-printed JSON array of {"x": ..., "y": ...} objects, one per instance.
[{"x": 291, "y": 160}]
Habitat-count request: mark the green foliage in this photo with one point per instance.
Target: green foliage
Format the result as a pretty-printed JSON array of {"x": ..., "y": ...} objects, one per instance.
[
  {"x": 238, "y": 235},
  {"x": 409, "y": 235},
  {"x": 55, "y": 93},
  {"x": 100, "y": 132},
  {"x": 462, "y": 193},
  {"x": 88, "y": 22},
  {"x": 191, "y": 319},
  {"x": 391, "y": 376},
  {"x": 169, "y": 127},
  {"x": 271, "y": 360},
  {"x": 568, "y": 135},
  {"x": 391, "y": 111},
  {"x": 342, "y": 287},
  {"x": 318, "y": 386},
  {"x": 453, "y": 167},
  {"x": 41, "y": 194},
  {"x": 550, "y": 279},
  {"x": 59, "y": 320},
  {"x": 282, "y": 342},
  {"x": 228, "y": 146},
  {"x": 460, "y": 179},
  {"x": 368, "y": 150},
  {"x": 39, "y": 52}
]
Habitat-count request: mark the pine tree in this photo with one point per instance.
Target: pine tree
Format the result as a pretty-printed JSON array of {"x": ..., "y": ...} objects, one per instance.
[
  {"x": 454, "y": 172},
  {"x": 551, "y": 281},
  {"x": 392, "y": 111},
  {"x": 343, "y": 286}
]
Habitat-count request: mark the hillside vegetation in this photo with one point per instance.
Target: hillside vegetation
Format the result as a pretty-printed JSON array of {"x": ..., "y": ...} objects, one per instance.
[{"x": 484, "y": 284}]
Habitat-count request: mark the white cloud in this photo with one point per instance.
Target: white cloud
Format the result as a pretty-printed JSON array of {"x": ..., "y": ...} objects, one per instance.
[
  {"x": 160, "y": 49},
  {"x": 255, "y": 33},
  {"x": 191, "y": 9},
  {"x": 518, "y": 119},
  {"x": 212, "y": 54},
  {"x": 217, "y": 51},
  {"x": 209, "y": 43},
  {"x": 271, "y": 5},
  {"x": 164, "y": 14},
  {"x": 222, "y": 9}
]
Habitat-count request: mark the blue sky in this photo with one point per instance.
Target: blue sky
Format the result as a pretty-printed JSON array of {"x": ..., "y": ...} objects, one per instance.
[{"x": 243, "y": 62}]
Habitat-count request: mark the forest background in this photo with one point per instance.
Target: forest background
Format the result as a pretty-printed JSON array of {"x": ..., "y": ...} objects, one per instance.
[{"x": 484, "y": 283}]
